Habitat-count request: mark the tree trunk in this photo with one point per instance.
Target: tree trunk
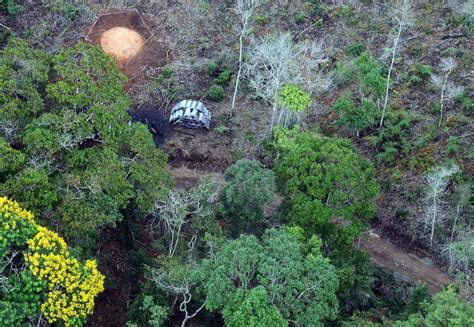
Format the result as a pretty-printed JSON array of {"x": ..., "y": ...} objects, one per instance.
[
  {"x": 387, "y": 87},
  {"x": 237, "y": 80}
]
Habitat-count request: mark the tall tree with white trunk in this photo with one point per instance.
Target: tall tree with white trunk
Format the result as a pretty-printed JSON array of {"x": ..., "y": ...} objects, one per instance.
[
  {"x": 448, "y": 89},
  {"x": 244, "y": 9},
  {"x": 276, "y": 61},
  {"x": 436, "y": 180},
  {"x": 404, "y": 18}
]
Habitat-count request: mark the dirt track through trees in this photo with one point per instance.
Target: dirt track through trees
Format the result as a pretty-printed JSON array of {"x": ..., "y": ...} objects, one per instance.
[
  {"x": 383, "y": 253},
  {"x": 408, "y": 266}
]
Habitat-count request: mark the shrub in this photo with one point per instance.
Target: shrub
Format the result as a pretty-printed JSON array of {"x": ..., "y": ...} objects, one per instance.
[
  {"x": 355, "y": 49},
  {"x": 393, "y": 138},
  {"x": 453, "y": 146},
  {"x": 345, "y": 74},
  {"x": 299, "y": 18},
  {"x": 167, "y": 72},
  {"x": 223, "y": 78},
  {"x": 357, "y": 118},
  {"x": 466, "y": 103},
  {"x": 222, "y": 129},
  {"x": 314, "y": 8},
  {"x": 212, "y": 68},
  {"x": 10, "y": 7},
  {"x": 294, "y": 98},
  {"x": 261, "y": 20},
  {"x": 216, "y": 93},
  {"x": 345, "y": 10},
  {"x": 371, "y": 72},
  {"x": 419, "y": 73}
]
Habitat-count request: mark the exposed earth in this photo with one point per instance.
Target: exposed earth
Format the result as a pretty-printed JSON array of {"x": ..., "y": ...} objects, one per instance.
[
  {"x": 408, "y": 266},
  {"x": 121, "y": 43},
  {"x": 114, "y": 28}
]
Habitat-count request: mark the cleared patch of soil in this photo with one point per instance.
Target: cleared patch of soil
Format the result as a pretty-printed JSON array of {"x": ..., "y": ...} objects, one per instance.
[
  {"x": 408, "y": 266},
  {"x": 186, "y": 178},
  {"x": 121, "y": 43},
  {"x": 196, "y": 150},
  {"x": 154, "y": 52}
]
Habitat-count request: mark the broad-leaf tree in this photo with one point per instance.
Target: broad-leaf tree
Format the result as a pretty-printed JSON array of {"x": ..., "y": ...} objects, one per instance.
[
  {"x": 330, "y": 189},
  {"x": 446, "y": 309},
  {"x": 298, "y": 282},
  {"x": 40, "y": 279},
  {"x": 249, "y": 187},
  {"x": 73, "y": 159}
]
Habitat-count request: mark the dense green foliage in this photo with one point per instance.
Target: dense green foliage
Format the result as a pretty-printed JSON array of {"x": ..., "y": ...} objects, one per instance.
[
  {"x": 297, "y": 280},
  {"x": 329, "y": 188},
  {"x": 79, "y": 163},
  {"x": 248, "y": 188},
  {"x": 381, "y": 93},
  {"x": 352, "y": 116},
  {"x": 446, "y": 309},
  {"x": 251, "y": 308},
  {"x": 294, "y": 98}
]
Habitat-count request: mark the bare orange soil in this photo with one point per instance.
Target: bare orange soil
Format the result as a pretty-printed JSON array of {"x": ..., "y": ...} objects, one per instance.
[
  {"x": 408, "y": 266},
  {"x": 121, "y": 43}
]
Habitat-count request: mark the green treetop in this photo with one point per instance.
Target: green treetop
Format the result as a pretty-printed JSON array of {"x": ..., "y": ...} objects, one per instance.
[
  {"x": 298, "y": 282},
  {"x": 329, "y": 188},
  {"x": 67, "y": 116}
]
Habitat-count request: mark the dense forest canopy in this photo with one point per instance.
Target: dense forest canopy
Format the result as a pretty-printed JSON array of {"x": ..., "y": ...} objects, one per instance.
[
  {"x": 70, "y": 155},
  {"x": 333, "y": 188}
]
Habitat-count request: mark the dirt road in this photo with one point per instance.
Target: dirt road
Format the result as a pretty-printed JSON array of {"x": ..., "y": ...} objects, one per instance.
[
  {"x": 408, "y": 266},
  {"x": 383, "y": 252}
]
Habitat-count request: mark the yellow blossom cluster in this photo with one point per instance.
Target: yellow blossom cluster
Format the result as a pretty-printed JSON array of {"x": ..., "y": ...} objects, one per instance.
[
  {"x": 9, "y": 208},
  {"x": 16, "y": 224},
  {"x": 71, "y": 286}
]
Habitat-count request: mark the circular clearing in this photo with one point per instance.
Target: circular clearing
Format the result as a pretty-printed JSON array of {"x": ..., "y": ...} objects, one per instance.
[{"x": 121, "y": 43}]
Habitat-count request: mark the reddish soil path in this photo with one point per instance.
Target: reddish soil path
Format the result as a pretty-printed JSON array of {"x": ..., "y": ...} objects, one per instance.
[
  {"x": 383, "y": 252},
  {"x": 407, "y": 265}
]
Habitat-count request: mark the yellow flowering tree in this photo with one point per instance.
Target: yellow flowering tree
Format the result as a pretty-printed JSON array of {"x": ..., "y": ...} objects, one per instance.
[{"x": 39, "y": 277}]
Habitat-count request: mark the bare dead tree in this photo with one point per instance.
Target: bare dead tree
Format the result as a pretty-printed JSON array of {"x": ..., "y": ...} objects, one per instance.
[
  {"x": 404, "y": 17},
  {"x": 460, "y": 248},
  {"x": 179, "y": 206},
  {"x": 460, "y": 255},
  {"x": 436, "y": 181},
  {"x": 244, "y": 9},
  {"x": 448, "y": 89},
  {"x": 8, "y": 263},
  {"x": 276, "y": 61},
  {"x": 464, "y": 194},
  {"x": 41, "y": 161},
  {"x": 180, "y": 279},
  {"x": 9, "y": 128},
  {"x": 179, "y": 283}
]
